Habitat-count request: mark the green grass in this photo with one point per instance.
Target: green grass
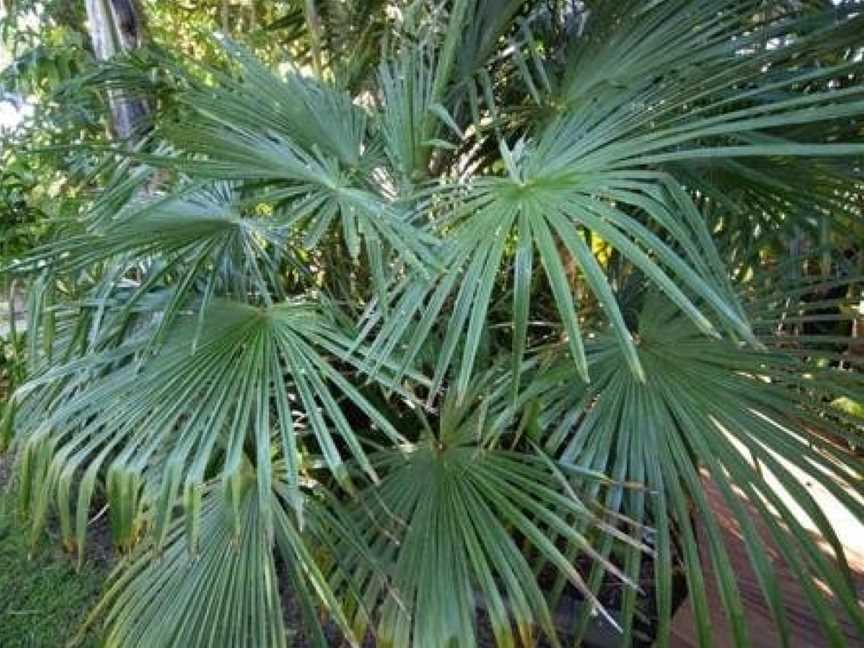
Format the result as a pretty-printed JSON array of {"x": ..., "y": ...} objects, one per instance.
[{"x": 43, "y": 600}]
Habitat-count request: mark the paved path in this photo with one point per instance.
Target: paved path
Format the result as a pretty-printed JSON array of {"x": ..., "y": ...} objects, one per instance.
[{"x": 804, "y": 628}]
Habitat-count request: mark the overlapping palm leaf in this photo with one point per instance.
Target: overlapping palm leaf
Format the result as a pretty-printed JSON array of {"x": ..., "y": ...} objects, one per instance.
[
  {"x": 242, "y": 377},
  {"x": 155, "y": 598},
  {"x": 757, "y": 425},
  {"x": 462, "y": 520},
  {"x": 195, "y": 243},
  {"x": 194, "y": 368},
  {"x": 601, "y": 167},
  {"x": 307, "y": 147}
]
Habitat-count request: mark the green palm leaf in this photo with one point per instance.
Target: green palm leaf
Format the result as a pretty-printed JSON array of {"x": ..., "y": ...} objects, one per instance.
[
  {"x": 566, "y": 214},
  {"x": 154, "y": 599},
  {"x": 445, "y": 518},
  {"x": 255, "y": 378},
  {"x": 733, "y": 414}
]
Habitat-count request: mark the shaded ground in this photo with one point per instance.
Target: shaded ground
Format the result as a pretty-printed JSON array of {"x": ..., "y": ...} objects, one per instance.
[{"x": 44, "y": 600}]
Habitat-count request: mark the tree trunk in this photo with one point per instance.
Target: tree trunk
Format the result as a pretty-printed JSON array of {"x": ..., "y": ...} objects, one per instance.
[{"x": 117, "y": 26}]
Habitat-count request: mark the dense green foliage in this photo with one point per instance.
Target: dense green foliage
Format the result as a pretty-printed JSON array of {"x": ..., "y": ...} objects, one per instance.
[{"x": 439, "y": 307}]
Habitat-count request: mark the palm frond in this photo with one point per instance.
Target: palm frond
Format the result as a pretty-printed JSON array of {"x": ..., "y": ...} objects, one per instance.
[
  {"x": 193, "y": 244},
  {"x": 241, "y": 377},
  {"x": 153, "y": 599},
  {"x": 738, "y": 415},
  {"x": 446, "y": 520}
]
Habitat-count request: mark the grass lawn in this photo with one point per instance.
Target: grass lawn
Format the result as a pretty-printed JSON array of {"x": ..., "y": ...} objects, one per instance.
[{"x": 44, "y": 600}]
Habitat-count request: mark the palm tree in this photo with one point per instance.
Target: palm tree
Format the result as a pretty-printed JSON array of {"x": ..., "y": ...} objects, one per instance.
[{"x": 464, "y": 320}]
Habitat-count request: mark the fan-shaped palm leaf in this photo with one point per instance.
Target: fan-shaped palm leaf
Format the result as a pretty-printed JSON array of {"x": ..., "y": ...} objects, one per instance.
[
  {"x": 737, "y": 415},
  {"x": 256, "y": 377},
  {"x": 445, "y": 519}
]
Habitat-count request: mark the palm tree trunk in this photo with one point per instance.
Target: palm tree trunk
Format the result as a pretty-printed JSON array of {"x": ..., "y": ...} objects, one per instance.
[{"x": 117, "y": 26}]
